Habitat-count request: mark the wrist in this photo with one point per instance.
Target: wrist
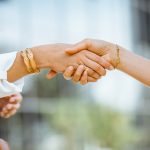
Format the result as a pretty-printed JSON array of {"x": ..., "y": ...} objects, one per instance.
[
  {"x": 117, "y": 54},
  {"x": 40, "y": 54},
  {"x": 112, "y": 53}
]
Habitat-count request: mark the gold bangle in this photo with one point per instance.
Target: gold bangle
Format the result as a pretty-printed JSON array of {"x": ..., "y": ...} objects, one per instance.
[
  {"x": 117, "y": 56},
  {"x": 32, "y": 61},
  {"x": 29, "y": 61},
  {"x": 26, "y": 61}
]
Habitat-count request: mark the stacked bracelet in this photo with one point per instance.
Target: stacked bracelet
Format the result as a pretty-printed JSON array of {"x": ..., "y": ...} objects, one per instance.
[{"x": 29, "y": 61}]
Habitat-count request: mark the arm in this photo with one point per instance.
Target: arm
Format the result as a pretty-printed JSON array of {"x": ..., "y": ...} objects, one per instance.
[
  {"x": 53, "y": 56},
  {"x": 134, "y": 65},
  {"x": 130, "y": 63},
  {"x": 46, "y": 56}
]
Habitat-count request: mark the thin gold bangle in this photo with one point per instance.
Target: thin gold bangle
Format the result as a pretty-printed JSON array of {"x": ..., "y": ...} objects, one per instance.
[
  {"x": 26, "y": 61},
  {"x": 117, "y": 56},
  {"x": 32, "y": 61}
]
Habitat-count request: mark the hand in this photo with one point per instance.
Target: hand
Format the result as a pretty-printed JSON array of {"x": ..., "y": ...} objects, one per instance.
[
  {"x": 9, "y": 105},
  {"x": 101, "y": 48},
  {"x": 54, "y": 57}
]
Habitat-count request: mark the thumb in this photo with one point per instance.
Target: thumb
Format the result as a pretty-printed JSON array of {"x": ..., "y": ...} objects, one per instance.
[
  {"x": 77, "y": 48},
  {"x": 51, "y": 74},
  {"x": 107, "y": 58}
]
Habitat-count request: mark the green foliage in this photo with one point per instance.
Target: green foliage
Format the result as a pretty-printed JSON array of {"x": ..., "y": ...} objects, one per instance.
[{"x": 92, "y": 122}]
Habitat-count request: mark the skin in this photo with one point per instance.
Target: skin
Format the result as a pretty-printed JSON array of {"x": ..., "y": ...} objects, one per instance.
[
  {"x": 9, "y": 105},
  {"x": 108, "y": 51},
  {"x": 4, "y": 145},
  {"x": 53, "y": 56}
]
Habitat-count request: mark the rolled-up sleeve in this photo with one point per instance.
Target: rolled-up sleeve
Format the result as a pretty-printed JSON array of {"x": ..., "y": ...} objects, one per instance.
[{"x": 7, "y": 88}]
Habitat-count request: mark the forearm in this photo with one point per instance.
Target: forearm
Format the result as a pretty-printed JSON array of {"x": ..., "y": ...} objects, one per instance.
[
  {"x": 134, "y": 65},
  {"x": 17, "y": 70},
  {"x": 44, "y": 56}
]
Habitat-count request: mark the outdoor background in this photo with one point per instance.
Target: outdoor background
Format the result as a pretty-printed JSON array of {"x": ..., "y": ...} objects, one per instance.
[{"x": 112, "y": 114}]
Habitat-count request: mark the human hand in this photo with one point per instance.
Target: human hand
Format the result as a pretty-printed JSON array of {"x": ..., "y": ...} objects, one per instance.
[
  {"x": 9, "y": 105},
  {"x": 102, "y": 48},
  {"x": 54, "y": 57}
]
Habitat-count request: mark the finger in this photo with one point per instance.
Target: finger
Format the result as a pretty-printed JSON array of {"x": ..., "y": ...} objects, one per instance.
[
  {"x": 68, "y": 72},
  {"x": 78, "y": 73},
  {"x": 51, "y": 74},
  {"x": 15, "y": 99},
  {"x": 90, "y": 79},
  {"x": 94, "y": 66},
  {"x": 16, "y": 106},
  {"x": 11, "y": 113},
  {"x": 100, "y": 60},
  {"x": 91, "y": 73},
  {"x": 8, "y": 107},
  {"x": 77, "y": 47},
  {"x": 7, "y": 116},
  {"x": 4, "y": 110},
  {"x": 84, "y": 79}
]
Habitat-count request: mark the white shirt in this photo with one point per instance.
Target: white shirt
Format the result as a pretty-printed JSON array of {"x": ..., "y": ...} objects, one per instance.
[{"x": 7, "y": 88}]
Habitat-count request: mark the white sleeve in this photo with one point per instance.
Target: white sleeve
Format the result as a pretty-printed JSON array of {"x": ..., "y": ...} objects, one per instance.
[{"x": 7, "y": 88}]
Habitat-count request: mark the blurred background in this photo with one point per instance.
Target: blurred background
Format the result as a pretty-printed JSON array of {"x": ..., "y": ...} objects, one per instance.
[{"x": 112, "y": 114}]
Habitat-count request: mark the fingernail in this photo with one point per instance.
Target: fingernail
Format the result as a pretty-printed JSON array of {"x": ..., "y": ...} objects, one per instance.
[{"x": 67, "y": 78}]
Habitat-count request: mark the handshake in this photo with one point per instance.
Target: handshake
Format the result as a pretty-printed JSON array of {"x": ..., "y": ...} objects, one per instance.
[{"x": 83, "y": 62}]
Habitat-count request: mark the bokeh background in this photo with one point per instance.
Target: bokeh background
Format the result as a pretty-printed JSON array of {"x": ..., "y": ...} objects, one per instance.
[{"x": 112, "y": 114}]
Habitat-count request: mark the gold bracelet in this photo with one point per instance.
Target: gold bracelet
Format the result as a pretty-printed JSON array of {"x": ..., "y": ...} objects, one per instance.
[
  {"x": 118, "y": 56},
  {"x": 29, "y": 61},
  {"x": 26, "y": 61},
  {"x": 32, "y": 61}
]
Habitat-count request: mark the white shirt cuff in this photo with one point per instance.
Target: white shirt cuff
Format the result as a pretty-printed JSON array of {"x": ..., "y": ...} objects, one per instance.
[{"x": 7, "y": 88}]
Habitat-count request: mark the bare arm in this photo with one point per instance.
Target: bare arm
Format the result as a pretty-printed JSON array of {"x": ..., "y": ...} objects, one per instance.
[
  {"x": 132, "y": 64},
  {"x": 18, "y": 69}
]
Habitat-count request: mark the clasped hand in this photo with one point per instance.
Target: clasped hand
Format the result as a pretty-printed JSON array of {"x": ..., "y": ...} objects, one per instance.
[{"x": 86, "y": 61}]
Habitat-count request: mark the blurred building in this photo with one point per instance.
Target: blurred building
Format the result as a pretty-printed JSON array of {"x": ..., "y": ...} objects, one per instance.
[{"x": 141, "y": 36}]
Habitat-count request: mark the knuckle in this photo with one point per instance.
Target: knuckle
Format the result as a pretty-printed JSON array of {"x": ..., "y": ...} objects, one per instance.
[
  {"x": 90, "y": 72},
  {"x": 84, "y": 52},
  {"x": 88, "y": 42},
  {"x": 101, "y": 70},
  {"x": 98, "y": 68}
]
